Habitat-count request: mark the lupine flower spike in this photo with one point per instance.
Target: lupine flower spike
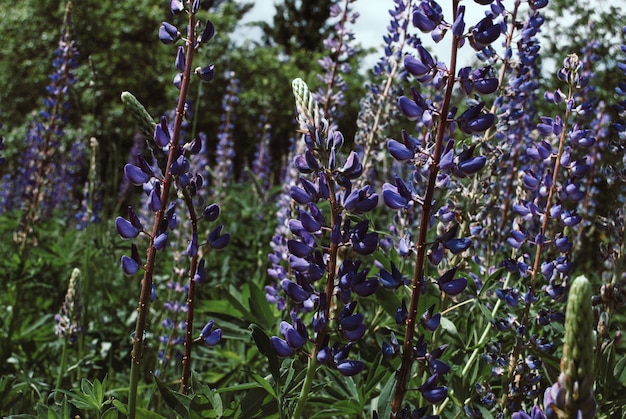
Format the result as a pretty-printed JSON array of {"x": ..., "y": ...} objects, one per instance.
[{"x": 572, "y": 395}]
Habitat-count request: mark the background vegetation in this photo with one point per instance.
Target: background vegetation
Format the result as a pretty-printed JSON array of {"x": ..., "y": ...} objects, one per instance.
[{"x": 119, "y": 51}]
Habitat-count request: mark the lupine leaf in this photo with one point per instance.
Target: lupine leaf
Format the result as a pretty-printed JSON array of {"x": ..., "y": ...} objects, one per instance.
[
  {"x": 384, "y": 400},
  {"x": 265, "y": 384},
  {"x": 262, "y": 341},
  {"x": 176, "y": 401},
  {"x": 259, "y": 307}
]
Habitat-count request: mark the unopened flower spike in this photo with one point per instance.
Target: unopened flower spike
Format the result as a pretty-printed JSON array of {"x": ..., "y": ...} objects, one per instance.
[{"x": 572, "y": 395}]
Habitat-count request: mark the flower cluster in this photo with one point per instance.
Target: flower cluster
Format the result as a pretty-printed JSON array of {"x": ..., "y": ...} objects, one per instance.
[
  {"x": 48, "y": 170},
  {"x": 225, "y": 153},
  {"x": 377, "y": 111},
  {"x": 69, "y": 318},
  {"x": 331, "y": 97},
  {"x": 328, "y": 221},
  {"x": 261, "y": 164},
  {"x": 172, "y": 166},
  {"x": 442, "y": 156}
]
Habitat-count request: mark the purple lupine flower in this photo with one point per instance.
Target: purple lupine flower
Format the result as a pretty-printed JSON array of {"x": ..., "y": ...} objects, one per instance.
[
  {"x": 210, "y": 335},
  {"x": 225, "y": 152},
  {"x": 168, "y": 33},
  {"x": 330, "y": 97}
]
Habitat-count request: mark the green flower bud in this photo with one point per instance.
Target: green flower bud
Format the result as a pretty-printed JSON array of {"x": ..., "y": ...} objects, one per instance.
[{"x": 577, "y": 370}]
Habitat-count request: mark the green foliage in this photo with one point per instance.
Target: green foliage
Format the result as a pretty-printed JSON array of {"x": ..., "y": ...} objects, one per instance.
[
  {"x": 242, "y": 377},
  {"x": 299, "y": 26}
]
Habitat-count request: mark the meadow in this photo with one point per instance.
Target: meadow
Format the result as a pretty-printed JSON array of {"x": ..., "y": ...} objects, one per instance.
[{"x": 197, "y": 228}]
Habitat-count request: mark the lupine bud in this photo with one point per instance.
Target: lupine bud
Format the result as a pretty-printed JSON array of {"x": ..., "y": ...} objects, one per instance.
[
  {"x": 136, "y": 176},
  {"x": 205, "y": 73},
  {"x": 281, "y": 347},
  {"x": 200, "y": 276},
  {"x": 217, "y": 240},
  {"x": 415, "y": 66},
  {"x": 195, "y": 6},
  {"x": 399, "y": 151},
  {"x": 430, "y": 321},
  {"x": 162, "y": 133},
  {"x": 160, "y": 241},
  {"x": 459, "y": 24},
  {"x": 168, "y": 33},
  {"x": 572, "y": 395},
  {"x": 154, "y": 200},
  {"x": 410, "y": 108},
  {"x": 126, "y": 229},
  {"x": 176, "y": 6},
  {"x": 349, "y": 368},
  {"x": 485, "y": 32},
  {"x": 211, "y": 213},
  {"x": 180, "y": 59},
  {"x": 208, "y": 33},
  {"x": 130, "y": 265}
]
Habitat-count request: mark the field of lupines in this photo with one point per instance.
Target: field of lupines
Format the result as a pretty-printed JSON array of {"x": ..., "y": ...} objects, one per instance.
[{"x": 461, "y": 256}]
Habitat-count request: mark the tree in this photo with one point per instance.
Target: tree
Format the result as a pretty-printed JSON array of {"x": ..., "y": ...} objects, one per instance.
[{"x": 299, "y": 25}]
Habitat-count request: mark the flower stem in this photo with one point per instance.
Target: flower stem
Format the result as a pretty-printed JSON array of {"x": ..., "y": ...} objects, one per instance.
[
  {"x": 306, "y": 386},
  {"x": 420, "y": 258},
  {"x": 146, "y": 283},
  {"x": 184, "y": 381},
  {"x": 517, "y": 349}
]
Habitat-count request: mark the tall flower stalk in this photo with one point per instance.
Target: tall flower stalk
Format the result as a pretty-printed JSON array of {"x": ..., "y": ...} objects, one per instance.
[
  {"x": 159, "y": 184},
  {"x": 435, "y": 164},
  {"x": 314, "y": 252}
]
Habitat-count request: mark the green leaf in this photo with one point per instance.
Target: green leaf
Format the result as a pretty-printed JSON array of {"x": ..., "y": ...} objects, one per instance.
[
  {"x": 97, "y": 392},
  {"x": 620, "y": 370},
  {"x": 384, "y": 400},
  {"x": 234, "y": 298},
  {"x": 259, "y": 307},
  {"x": 87, "y": 388},
  {"x": 265, "y": 384},
  {"x": 121, "y": 407},
  {"x": 110, "y": 413},
  {"x": 81, "y": 400},
  {"x": 176, "y": 401},
  {"x": 147, "y": 414},
  {"x": 252, "y": 402},
  {"x": 262, "y": 341},
  {"x": 207, "y": 404},
  {"x": 491, "y": 278},
  {"x": 486, "y": 313},
  {"x": 448, "y": 326}
]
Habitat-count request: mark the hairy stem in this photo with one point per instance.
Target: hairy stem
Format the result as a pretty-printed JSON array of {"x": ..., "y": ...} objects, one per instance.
[
  {"x": 146, "y": 283},
  {"x": 420, "y": 258},
  {"x": 191, "y": 293},
  {"x": 540, "y": 247}
]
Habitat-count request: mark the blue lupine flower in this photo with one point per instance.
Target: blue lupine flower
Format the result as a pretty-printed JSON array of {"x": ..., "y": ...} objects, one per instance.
[{"x": 168, "y": 33}]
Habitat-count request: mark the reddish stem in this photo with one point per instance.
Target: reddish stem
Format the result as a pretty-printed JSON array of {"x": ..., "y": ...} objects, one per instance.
[{"x": 420, "y": 258}]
